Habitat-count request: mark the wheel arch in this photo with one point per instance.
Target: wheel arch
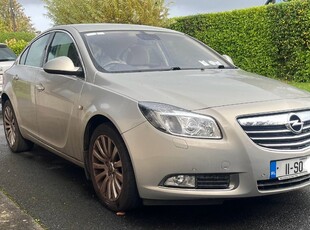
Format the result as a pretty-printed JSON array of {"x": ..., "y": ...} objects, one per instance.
[
  {"x": 4, "y": 98},
  {"x": 92, "y": 124}
]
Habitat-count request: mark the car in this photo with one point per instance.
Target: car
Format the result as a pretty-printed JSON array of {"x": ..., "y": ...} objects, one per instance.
[
  {"x": 7, "y": 58},
  {"x": 156, "y": 117}
]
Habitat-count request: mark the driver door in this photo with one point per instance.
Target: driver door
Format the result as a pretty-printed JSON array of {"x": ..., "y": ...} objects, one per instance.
[{"x": 58, "y": 96}]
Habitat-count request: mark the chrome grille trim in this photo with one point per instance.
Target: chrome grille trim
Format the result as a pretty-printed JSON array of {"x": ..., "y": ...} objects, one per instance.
[
  {"x": 270, "y": 131},
  {"x": 289, "y": 144},
  {"x": 276, "y": 131},
  {"x": 282, "y": 138}
]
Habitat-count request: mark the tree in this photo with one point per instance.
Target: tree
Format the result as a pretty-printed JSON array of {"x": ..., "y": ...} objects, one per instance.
[
  {"x": 13, "y": 17},
  {"x": 3, "y": 27},
  {"x": 148, "y": 12}
]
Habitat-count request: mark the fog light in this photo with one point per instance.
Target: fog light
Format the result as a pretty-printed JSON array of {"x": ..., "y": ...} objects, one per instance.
[{"x": 183, "y": 181}]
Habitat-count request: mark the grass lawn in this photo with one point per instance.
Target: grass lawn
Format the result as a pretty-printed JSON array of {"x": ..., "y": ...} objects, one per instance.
[{"x": 304, "y": 86}]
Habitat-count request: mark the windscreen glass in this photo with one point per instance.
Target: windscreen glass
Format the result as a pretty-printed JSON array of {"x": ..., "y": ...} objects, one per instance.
[{"x": 130, "y": 51}]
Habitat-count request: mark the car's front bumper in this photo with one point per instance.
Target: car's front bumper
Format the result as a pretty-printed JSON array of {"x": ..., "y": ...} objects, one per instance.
[{"x": 156, "y": 155}]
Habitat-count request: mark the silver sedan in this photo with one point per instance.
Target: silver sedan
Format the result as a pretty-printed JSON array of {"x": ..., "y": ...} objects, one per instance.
[{"x": 155, "y": 116}]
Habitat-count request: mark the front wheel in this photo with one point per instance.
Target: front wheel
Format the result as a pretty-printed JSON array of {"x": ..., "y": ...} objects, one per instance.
[
  {"x": 15, "y": 140},
  {"x": 111, "y": 170}
]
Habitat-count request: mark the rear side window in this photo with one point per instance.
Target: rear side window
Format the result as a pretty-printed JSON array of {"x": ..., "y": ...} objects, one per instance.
[
  {"x": 36, "y": 52},
  {"x": 23, "y": 57}
]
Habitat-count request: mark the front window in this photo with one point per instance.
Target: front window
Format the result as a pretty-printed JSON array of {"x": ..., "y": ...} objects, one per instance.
[
  {"x": 130, "y": 51},
  {"x": 63, "y": 45}
]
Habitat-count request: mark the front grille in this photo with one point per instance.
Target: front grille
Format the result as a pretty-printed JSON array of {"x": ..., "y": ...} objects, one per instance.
[
  {"x": 265, "y": 185},
  {"x": 213, "y": 181},
  {"x": 283, "y": 131}
]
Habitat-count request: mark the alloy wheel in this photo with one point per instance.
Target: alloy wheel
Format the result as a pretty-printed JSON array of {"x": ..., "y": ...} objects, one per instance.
[
  {"x": 107, "y": 168},
  {"x": 9, "y": 125}
]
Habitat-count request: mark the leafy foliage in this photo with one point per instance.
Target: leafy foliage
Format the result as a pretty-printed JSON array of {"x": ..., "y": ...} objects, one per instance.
[
  {"x": 3, "y": 27},
  {"x": 16, "y": 41},
  {"x": 18, "y": 36},
  {"x": 148, "y": 12},
  {"x": 16, "y": 45},
  {"x": 271, "y": 40},
  {"x": 13, "y": 18},
  {"x": 291, "y": 34}
]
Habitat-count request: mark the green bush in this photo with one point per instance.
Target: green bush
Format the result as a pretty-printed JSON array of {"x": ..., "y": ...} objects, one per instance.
[
  {"x": 269, "y": 40},
  {"x": 16, "y": 41},
  {"x": 290, "y": 24},
  {"x": 16, "y": 45},
  {"x": 16, "y": 35}
]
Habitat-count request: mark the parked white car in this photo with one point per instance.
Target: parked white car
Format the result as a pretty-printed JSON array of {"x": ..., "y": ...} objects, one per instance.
[{"x": 7, "y": 58}]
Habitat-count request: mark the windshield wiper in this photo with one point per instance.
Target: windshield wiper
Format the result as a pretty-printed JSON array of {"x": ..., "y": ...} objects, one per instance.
[
  {"x": 175, "y": 68},
  {"x": 216, "y": 67},
  {"x": 7, "y": 59}
]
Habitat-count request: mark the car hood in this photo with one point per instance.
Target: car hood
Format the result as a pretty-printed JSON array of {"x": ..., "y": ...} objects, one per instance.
[{"x": 198, "y": 89}]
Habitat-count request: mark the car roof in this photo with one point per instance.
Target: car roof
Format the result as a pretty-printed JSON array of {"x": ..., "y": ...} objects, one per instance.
[{"x": 111, "y": 26}]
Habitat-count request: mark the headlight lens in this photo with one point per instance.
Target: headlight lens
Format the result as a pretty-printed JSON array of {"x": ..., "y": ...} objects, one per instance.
[{"x": 180, "y": 122}]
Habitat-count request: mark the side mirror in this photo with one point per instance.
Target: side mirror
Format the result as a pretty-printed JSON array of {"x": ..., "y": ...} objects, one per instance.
[
  {"x": 62, "y": 65},
  {"x": 228, "y": 58}
]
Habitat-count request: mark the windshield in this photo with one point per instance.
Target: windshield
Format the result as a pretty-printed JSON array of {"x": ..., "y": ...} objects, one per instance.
[
  {"x": 129, "y": 51},
  {"x": 6, "y": 54}
]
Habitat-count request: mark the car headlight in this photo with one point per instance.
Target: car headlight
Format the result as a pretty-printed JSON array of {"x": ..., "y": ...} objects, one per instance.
[{"x": 180, "y": 122}]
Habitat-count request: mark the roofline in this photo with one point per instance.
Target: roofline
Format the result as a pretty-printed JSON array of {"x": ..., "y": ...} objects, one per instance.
[{"x": 110, "y": 27}]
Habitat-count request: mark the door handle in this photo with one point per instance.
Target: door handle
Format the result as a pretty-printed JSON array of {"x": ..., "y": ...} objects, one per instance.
[
  {"x": 40, "y": 87},
  {"x": 16, "y": 77}
]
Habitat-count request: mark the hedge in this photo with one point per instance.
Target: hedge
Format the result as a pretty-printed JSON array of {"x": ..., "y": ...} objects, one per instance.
[
  {"x": 17, "y": 41},
  {"x": 16, "y": 35},
  {"x": 271, "y": 40},
  {"x": 290, "y": 24}
]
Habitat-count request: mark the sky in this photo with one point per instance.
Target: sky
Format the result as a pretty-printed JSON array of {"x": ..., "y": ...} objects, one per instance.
[{"x": 36, "y": 11}]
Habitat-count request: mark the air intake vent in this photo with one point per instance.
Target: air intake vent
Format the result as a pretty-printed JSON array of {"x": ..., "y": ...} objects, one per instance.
[
  {"x": 213, "y": 181},
  {"x": 265, "y": 185},
  {"x": 284, "y": 131}
]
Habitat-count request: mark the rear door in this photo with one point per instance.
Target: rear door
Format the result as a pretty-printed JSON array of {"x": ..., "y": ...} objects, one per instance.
[{"x": 23, "y": 84}]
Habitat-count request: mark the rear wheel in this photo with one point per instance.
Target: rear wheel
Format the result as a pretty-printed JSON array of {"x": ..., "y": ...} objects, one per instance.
[
  {"x": 111, "y": 170},
  {"x": 13, "y": 136}
]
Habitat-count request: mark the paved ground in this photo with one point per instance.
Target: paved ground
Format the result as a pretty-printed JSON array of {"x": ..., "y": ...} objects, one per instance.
[
  {"x": 56, "y": 193},
  {"x": 11, "y": 215}
]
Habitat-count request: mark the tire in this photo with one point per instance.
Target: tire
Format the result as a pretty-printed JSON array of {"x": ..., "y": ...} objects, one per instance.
[
  {"x": 111, "y": 170},
  {"x": 13, "y": 136}
]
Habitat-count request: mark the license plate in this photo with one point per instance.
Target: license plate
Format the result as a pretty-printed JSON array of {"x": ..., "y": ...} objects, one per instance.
[{"x": 286, "y": 169}]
